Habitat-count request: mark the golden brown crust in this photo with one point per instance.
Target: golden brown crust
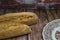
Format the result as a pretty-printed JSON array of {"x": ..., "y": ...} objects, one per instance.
[
  {"x": 14, "y": 24},
  {"x": 13, "y": 29},
  {"x": 23, "y": 17}
]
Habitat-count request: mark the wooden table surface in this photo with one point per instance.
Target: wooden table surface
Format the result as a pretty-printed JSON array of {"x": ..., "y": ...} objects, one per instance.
[{"x": 45, "y": 16}]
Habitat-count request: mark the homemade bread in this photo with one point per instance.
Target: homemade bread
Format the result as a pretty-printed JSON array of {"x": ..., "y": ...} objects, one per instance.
[
  {"x": 8, "y": 30},
  {"x": 28, "y": 18}
]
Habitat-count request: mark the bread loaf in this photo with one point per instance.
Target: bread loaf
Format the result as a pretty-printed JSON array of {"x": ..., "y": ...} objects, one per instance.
[
  {"x": 15, "y": 24},
  {"x": 28, "y": 18},
  {"x": 8, "y": 30}
]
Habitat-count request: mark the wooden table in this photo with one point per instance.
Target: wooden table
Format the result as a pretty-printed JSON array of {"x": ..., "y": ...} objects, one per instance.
[{"x": 45, "y": 16}]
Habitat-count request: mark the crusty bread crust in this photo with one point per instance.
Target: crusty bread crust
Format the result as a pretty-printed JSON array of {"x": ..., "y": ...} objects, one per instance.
[
  {"x": 13, "y": 29},
  {"x": 28, "y": 18},
  {"x": 15, "y": 24}
]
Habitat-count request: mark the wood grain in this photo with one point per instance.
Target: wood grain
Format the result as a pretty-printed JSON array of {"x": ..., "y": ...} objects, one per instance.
[
  {"x": 54, "y": 13},
  {"x": 36, "y": 33},
  {"x": 45, "y": 16}
]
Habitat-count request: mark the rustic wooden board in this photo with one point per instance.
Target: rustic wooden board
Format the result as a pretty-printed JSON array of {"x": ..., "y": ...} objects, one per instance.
[{"x": 45, "y": 16}]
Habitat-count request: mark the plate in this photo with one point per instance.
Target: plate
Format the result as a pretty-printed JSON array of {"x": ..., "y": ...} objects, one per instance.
[{"x": 51, "y": 30}]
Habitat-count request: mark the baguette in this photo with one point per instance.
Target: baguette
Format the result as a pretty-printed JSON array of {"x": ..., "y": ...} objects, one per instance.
[
  {"x": 8, "y": 30},
  {"x": 28, "y": 18}
]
